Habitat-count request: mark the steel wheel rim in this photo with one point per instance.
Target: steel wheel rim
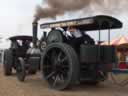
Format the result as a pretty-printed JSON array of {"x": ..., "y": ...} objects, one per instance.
[
  {"x": 20, "y": 71},
  {"x": 56, "y": 68}
]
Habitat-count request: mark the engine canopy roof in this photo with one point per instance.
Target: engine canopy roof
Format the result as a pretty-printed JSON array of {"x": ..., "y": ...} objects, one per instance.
[{"x": 102, "y": 22}]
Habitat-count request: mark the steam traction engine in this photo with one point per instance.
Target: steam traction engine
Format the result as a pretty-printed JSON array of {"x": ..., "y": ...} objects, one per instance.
[{"x": 63, "y": 65}]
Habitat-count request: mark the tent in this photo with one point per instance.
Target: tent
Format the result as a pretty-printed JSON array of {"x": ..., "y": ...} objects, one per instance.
[
  {"x": 119, "y": 41},
  {"x": 122, "y": 50}
]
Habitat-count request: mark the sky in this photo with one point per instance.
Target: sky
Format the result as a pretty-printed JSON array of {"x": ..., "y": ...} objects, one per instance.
[{"x": 16, "y": 17}]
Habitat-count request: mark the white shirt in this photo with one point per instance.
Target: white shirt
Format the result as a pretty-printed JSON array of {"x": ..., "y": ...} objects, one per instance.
[{"x": 77, "y": 34}]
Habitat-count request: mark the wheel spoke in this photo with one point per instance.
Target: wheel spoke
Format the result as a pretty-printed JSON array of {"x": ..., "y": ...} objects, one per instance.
[
  {"x": 62, "y": 77},
  {"x": 53, "y": 56},
  {"x": 59, "y": 56},
  {"x": 50, "y": 75},
  {"x": 64, "y": 59},
  {"x": 58, "y": 78},
  {"x": 64, "y": 73},
  {"x": 54, "y": 83},
  {"x": 64, "y": 62}
]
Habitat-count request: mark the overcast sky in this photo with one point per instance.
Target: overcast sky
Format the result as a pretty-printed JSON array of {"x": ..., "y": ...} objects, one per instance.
[{"x": 16, "y": 17}]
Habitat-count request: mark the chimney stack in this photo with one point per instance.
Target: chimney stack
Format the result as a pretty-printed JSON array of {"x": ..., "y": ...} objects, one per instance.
[{"x": 35, "y": 30}]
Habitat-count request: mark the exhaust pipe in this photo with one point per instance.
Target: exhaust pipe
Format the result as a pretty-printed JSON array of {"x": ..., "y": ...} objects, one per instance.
[
  {"x": 35, "y": 30},
  {"x": 34, "y": 39},
  {"x": 45, "y": 36}
]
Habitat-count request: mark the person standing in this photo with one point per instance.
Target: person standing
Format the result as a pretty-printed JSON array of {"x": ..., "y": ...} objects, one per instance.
[{"x": 78, "y": 37}]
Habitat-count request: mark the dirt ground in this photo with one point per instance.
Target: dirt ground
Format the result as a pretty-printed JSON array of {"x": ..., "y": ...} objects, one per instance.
[{"x": 35, "y": 86}]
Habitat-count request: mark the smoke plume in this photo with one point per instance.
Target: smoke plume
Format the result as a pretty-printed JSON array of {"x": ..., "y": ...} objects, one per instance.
[{"x": 60, "y": 7}]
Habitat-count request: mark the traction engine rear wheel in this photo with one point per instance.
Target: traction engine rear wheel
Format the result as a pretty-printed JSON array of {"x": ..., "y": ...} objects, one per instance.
[
  {"x": 8, "y": 62},
  {"x": 60, "y": 66}
]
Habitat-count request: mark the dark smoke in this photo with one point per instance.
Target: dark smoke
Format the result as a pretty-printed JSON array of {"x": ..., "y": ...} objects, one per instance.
[{"x": 59, "y": 7}]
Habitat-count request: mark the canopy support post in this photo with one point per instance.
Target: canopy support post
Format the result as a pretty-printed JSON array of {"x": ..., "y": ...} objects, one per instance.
[
  {"x": 109, "y": 34},
  {"x": 99, "y": 41},
  {"x": 109, "y": 38}
]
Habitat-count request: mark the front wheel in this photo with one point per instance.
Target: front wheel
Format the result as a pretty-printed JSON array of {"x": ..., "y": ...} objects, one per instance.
[
  {"x": 20, "y": 69},
  {"x": 60, "y": 66},
  {"x": 8, "y": 62}
]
